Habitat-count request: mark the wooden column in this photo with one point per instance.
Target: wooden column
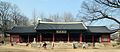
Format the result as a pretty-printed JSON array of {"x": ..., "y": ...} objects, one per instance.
[
  {"x": 40, "y": 37},
  {"x": 37, "y": 38},
  {"x": 68, "y": 37},
  {"x": 84, "y": 38},
  {"x": 53, "y": 38},
  {"x": 28, "y": 39},
  {"x": 10, "y": 39},
  {"x": 101, "y": 38},
  {"x": 19, "y": 39},
  {"x": 81, "y": 37},
  {"x": 93, "y": 38},
  {"x": 108, "y": 38}
]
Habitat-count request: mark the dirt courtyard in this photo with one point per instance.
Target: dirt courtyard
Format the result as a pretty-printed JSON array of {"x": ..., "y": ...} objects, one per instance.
[{"x": 23, "y": 49}]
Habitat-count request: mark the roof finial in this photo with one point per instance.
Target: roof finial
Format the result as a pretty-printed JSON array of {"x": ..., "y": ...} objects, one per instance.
[{"x": 39, "y": 21}]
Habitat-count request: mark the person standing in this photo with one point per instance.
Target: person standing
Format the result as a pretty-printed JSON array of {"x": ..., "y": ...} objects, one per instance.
[
  {"x": 53, "y": 45},
  {"x": 84, "y": 45},
  {"x": 74, "y": 46}
]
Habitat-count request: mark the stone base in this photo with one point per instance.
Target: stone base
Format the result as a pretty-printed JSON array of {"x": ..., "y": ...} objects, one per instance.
[{"x": 68, "y": 45}]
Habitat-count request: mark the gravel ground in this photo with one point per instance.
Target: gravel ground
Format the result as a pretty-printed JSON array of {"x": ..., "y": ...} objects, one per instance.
[
  {"x": 25, "y": 49},
  {"x": 12, "y": 50}
]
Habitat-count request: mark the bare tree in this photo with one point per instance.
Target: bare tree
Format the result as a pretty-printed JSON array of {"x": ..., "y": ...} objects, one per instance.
[
  {"x": 93, "y": 11},
  {"x": 5, "y": 9},
  {"x": 15, "y": 15},
  {"x": 47, "y": 20},
  {"x": 8, "y": 15},
  {"x": 68, "y": 17},
  {"x": 24, "y": 21},
  {"x": 35, "y": 17},
  {"x": 110, "y": 3},
  {"x": 55, "y": 17},
  {"x": 18, "y": 18},
  {"x": 42, "y": 17}
]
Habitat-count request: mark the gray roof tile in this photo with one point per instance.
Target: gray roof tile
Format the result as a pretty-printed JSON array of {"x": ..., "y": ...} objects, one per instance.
[
  {"x": 60, "y": 26},
  {"x": 22, "y": 29},
  {"x": 99, "y": 29}
]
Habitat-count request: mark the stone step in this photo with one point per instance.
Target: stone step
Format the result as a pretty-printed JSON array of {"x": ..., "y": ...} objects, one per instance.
[{"x": 70, "y": 45}]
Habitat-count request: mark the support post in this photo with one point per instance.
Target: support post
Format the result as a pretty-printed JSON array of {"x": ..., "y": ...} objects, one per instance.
[
  {"x": 68, "y": 37},
  {"x": 84, "y": 38},
  {"x": 93, "y": 38},
  {"x": 40, "y": 37},
  {"x": 81, "y": 37},
  {"x": 101, "y": 38},
  {"x": 19, "y": 39},
  {"x": 37, "y": 38},
  {"x": 53, "y": 38},
  {"x": 28, "y": 39},
  {"x": 108, "y": 38},
  {"x": 10, "y": 39}
]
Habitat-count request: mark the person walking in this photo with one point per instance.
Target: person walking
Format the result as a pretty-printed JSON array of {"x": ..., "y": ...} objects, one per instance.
[{"x": 45, "y": 45}]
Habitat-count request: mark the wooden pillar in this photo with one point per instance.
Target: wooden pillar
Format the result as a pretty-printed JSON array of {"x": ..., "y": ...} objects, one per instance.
[
  {"x": 53, "y": 38},
  {"x": 84, "y": 38},
  {"x": 28, "y": 39},
  {"x": 101, "y": 38},
  {"x": 68, "y": 37},
  {"x": 37, "y": 38},
  {"x": 93, "y": 38},
  {"x": 19, "y": 39},
  {"x": 81, "y": 37},
  {"x": 10, "y": 39},
  {"x": 40, "y": 37},
  {"x": 108, "y": 38}
]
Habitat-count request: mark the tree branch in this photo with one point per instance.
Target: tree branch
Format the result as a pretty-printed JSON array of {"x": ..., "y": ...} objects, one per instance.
[{"x": 115, "y": 3}]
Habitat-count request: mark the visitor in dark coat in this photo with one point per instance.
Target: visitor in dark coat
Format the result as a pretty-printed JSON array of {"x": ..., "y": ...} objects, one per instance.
[{"x": 44, "y": 45}]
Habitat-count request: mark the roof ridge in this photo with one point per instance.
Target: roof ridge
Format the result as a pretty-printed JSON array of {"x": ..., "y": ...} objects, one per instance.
[
  {"x": 96, "y": 26},
  {"x": 61, "y": 22},
  {"x": 23, "y": 26}
]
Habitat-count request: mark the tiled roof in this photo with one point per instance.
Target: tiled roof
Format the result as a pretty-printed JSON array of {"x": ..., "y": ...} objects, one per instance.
[
  {"x": 98, "y": 29},
  {"x": 61, "y": 26},
  {"x": 22, "y": 29}
]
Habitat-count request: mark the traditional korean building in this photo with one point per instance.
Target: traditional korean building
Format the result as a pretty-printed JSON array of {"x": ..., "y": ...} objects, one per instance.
[{"x": 60, "y": 31}]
